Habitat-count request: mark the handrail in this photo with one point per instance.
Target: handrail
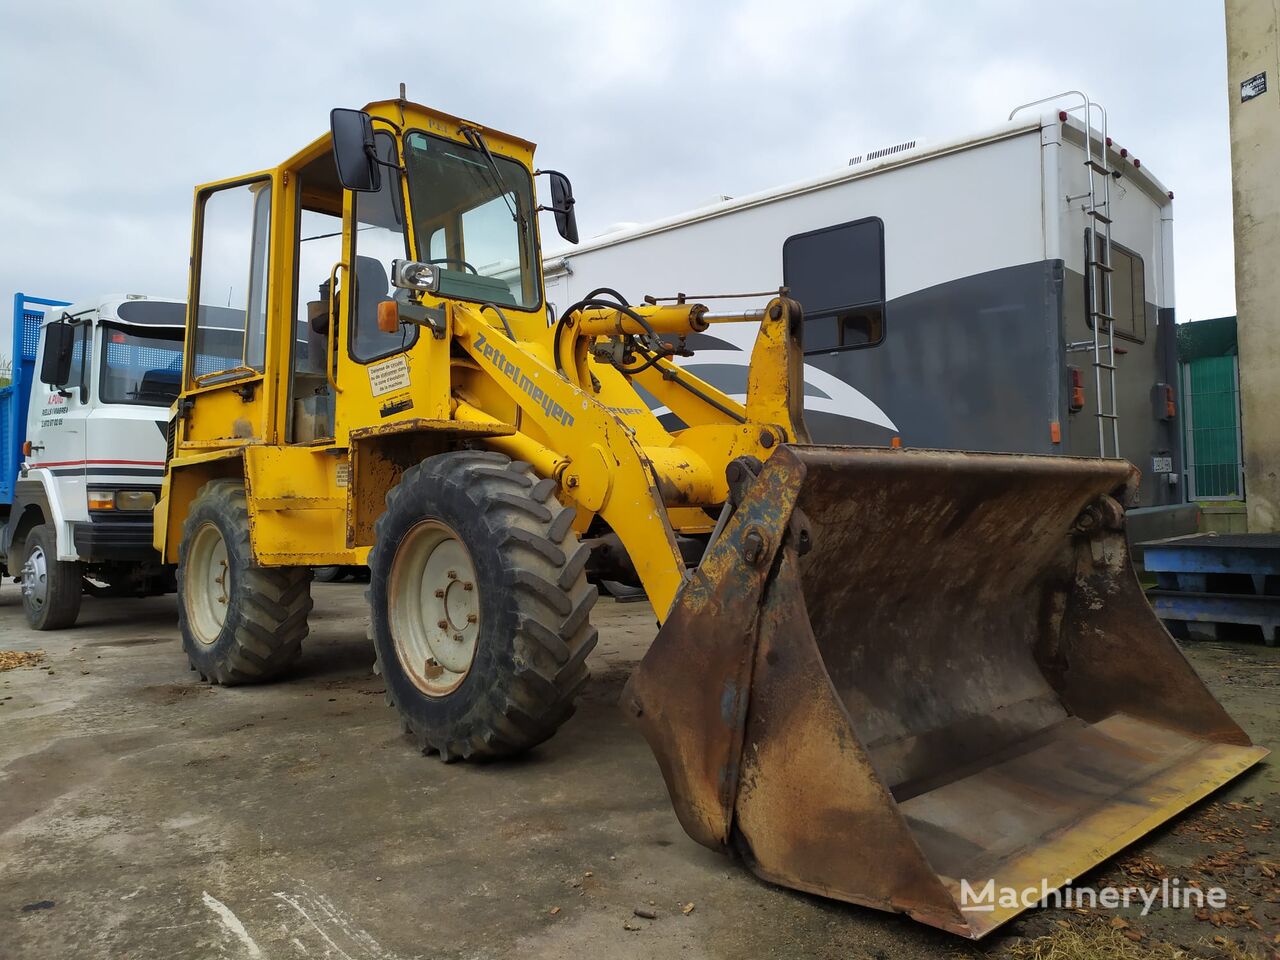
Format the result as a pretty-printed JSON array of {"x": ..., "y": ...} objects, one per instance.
[
  {"x": 1057, "y": 96},
  {"x": 331, "y": 354}
]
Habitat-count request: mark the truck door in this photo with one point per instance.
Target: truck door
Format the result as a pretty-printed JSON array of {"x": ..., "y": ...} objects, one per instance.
[{"x": 56, "y": 428}]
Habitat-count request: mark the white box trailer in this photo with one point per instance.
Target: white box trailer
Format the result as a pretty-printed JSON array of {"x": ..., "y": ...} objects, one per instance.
[{"x": 946, "y": 293}]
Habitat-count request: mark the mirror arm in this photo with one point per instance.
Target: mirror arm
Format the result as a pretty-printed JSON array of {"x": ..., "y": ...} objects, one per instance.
[{"x": 372, "y": 153}]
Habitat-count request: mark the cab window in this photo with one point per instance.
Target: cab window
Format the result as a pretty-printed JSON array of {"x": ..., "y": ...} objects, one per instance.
[
  {"x": 81, "y": 348},
  {"x": 474, "y": 218},
  {"x": 140, "y": 366},
  {"x": 231, "y": 284},
  {"x": 379, "y": 239}
]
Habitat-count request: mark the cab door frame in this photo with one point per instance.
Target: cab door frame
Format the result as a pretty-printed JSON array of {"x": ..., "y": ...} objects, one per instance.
[{"x": 234, "y": 406}]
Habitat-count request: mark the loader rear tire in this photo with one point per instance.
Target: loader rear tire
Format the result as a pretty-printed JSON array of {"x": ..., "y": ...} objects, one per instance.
[
  {"x": 479, "y": 606},
  {"x": 241, "y": 623},
  {"x": 51, "y": 588}
]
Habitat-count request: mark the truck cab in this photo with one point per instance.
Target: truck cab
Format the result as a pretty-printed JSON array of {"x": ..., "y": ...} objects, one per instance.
[{"x": 85, "y": 463}]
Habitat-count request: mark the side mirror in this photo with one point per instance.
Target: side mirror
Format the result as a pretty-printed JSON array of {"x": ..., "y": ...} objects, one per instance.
[
  {"x": 59, "y": 342},
  {"x": 562, "y": 206},
  {"x": 353, "y": 150}
]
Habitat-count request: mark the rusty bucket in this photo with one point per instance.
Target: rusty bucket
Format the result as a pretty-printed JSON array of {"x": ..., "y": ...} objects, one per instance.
[{"x": 915, "y": 680}]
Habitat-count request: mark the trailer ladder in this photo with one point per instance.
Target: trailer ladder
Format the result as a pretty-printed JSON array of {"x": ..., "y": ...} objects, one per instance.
[{"x": 1096, "y": 204}]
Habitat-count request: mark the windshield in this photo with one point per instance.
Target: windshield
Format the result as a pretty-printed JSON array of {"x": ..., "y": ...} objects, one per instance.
[
  {"x": 474, "y": 223},
  {"x": 141, "y": 368}
]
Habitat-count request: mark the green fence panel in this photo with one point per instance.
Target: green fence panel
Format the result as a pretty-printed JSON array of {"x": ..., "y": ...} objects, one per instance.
[{"x": 1213, "y": 427}]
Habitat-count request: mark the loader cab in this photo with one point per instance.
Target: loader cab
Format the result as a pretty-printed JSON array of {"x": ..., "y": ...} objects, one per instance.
[
  {"x": 289, "y": 266},
  {"x": 285, "y": 348}
]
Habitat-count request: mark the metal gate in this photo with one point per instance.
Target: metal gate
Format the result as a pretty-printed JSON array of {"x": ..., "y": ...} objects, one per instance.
[{"x": 1211, "y": 418}]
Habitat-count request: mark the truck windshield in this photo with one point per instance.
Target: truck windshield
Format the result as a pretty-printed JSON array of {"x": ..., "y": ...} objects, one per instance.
[
  {"x": 475, "y": 223},
  {"x": 142, "y": 368}
]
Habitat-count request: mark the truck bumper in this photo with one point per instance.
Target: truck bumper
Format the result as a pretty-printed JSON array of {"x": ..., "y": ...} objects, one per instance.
[{"x": 118, "y": 538}]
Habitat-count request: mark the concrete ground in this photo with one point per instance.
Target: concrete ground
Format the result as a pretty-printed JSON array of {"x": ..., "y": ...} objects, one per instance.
[{"x": 144, "y": 814}]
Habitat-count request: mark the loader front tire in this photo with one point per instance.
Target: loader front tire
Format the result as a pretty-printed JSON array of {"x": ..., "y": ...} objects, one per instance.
[
  {"x": 241, "y": 623},
  {"x": 479, "y": 605},
  {"x": 51, "y": 588}
]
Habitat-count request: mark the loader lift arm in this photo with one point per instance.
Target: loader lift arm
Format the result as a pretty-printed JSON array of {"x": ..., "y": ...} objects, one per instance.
[{"x": 625, "y": 467}]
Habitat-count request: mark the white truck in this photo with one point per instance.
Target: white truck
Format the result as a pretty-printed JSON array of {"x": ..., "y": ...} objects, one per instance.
[{"x": 82, "y": 449}]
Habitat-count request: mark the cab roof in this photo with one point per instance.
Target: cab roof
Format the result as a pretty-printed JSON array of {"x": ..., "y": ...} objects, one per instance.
[
  {"x": 410, "y": 115},
  {"x": 132, "y": 309}
]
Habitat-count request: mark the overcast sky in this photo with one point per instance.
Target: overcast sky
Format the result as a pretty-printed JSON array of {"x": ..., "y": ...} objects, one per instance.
[{"x": 111, "y": 112}]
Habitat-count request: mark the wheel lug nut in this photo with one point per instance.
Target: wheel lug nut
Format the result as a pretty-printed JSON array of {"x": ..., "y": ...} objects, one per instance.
[
  {"x": 442, "y": 624},
  {"x": 453, "y": 574},
  {"x": 440, "y": 594},
  {"x": 468, "y": 585},
  {"x": 471, "y": 618},
  {"x": 457, "y": 637}
]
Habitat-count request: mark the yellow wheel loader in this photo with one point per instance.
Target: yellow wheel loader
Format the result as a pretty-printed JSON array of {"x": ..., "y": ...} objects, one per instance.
[{"x": 908, "y": 679}]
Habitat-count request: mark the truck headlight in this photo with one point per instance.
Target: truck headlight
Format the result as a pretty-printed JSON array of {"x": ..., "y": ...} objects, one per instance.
[
  {"x": 135, "y": 499},
  {"x": 121, "y": 499}
]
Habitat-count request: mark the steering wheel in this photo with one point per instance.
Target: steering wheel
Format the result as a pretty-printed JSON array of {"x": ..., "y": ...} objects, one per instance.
[{"x": 465, "y": 265}]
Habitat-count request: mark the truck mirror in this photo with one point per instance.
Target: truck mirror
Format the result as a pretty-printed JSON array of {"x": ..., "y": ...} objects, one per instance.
[
  {"x": 59, "y": 341},
  {"x": 562, "y": 206},
  {"x": 353, "y": 150}
]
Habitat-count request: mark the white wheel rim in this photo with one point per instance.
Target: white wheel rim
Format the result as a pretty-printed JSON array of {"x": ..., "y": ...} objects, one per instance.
[
  {"x": 207, "y": 584},
  {"x": 433, "y": 605},
  {"x": 35, "y": 578}
]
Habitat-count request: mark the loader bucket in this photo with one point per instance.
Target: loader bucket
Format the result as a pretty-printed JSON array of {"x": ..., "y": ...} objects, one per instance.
[{"x": 915, "y": 680}]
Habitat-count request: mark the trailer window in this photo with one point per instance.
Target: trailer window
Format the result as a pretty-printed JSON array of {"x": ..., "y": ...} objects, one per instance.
[
  {"x": 1128, "y": 305},
  {"x": 837, "y": 275},
  {"x": 231, "y": 297}
]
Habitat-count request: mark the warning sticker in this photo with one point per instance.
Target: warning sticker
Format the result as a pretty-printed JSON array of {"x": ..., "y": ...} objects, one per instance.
[
  {"x": 1255, "y": 86},
  {"x": 389, "y": 375},
  {"x": 343, "y": 473}
]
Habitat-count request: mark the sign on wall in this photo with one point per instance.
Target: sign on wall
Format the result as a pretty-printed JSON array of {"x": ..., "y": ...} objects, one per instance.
[{"x": 1255, "y": 86}]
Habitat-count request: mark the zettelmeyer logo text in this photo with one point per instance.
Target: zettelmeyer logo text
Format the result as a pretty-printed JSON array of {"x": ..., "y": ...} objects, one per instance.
[{"x": 522, "y": 380}]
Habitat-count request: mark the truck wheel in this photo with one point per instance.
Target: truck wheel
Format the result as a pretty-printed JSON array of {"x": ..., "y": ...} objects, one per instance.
[
  {"x": 51, "y": 588},
  {"x": 241, "y": 623},
  {"x": 479, "y": 605}
]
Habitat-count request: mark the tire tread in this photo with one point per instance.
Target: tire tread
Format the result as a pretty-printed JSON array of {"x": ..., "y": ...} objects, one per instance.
[
  {"x": 269, "y": 611},
  {"x": 544, "y": 564}
]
